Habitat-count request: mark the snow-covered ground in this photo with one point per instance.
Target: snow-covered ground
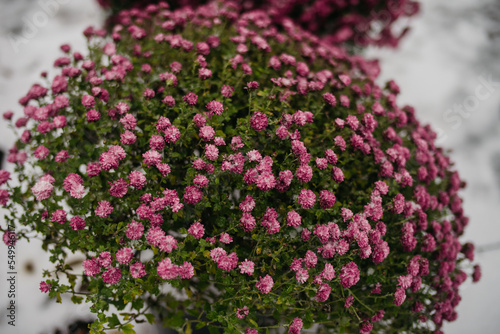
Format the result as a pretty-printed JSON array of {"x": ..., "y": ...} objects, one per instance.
[{"x": 446, "y": 68}]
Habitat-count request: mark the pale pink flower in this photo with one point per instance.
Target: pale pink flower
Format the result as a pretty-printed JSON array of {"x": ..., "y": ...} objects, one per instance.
[
  {"x": 265, "y": 284},
  {"x": 137, "y": 270},
  {"x": 167, "y": 270},
  {"x": 247, "y": 267}
]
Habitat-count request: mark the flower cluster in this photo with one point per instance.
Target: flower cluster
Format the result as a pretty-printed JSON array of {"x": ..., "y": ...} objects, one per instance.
[
  {"x": 362, "y": 22},
  {"x": 246, "y": 163}
]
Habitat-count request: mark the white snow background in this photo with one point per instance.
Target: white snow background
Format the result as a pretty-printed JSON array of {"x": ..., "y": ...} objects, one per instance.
[{"x": 441, "y": 67}]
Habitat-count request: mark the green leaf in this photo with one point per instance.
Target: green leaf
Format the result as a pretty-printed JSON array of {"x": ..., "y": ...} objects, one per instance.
[
  {"x": 213, "y": 330},
  {"x": 76, "y": 299},
  {"x": 253, "y": 322},
  {"x": 138, "y": 304},
  {"x": 113, "y": 321},
  {"x": 150, "y": 317},
  {"x": 128, "y": 329}
]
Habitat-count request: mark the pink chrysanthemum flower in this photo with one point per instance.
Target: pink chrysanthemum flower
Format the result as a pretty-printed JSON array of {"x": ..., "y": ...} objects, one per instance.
[
  {"x": 112, "y": 276},
  {"x": 321, "y": 163},
  {"x": 227, "y": 262},
  {"x": 137, "y": 270},
  {"x": 295, "y": 326},
  {"x": 41, "y": 152},
  {"x": 93, "y": 115},
  {"x": 265, "y": 284},
  {"x": 215, "y": 108},
  {"x": 219, "y": 141},
  {"x": 236, "y": 143},
  {"x": 91, "y": 267},
  {"x": 137, "y": 179},
  {"x": 167, "y": 270},
  {"x": 118, "y": 188},
  {"x": 337, "y": 174},
  {"x": 227, "y": 91},
  {"x": 4, "y": 176},
  {"x": 77, "y": 223},
  {"x": 323, "y": 292},
  {"x": 104, "y": 259},
  {"x": 186, "y": 270},
  {"x": 93, "y": 169},
  {"x": 196, "y": 230},
  {"x": 128, "y": 121},
  {"x": 59, "y": 216},
  {"x": 307, "y": 198},
  {"x": 88, "y": 101},
  {"x": 225, "y": 238},
  {"x": 204, "y": 73},
  {"x": 167, "y": 243},
  {"x": 164, "y": 169},
  {"x": 134, "y": 230},
  {"x": 399, "y": 296},
  {"x": 340, "y": 142},
  {"x": 266, "y": 181},
  {"x": 216, "y": 253},
  {"x": 211, "y": 152},
  {"x": 304, "y": 173},
  {"x": 152, "y": 158},
  {"x": 310, "y": 260},
  {"x": 247, "y": 267},
  {"x": 192, "y": 195},
  {"x": 248, "y": 204},
  {"x": 344, "y": 101},
  {"x": 349, "y": 275},
  {"x": 247, "y": 222},
  {"x": 330, "y": 99},
  {"x": 258, "y": 121},
  {"x": 104, "y": 209},
  {"x": 43, "y": 188},
  {"x": 241, "y": 313},
  {"x": 108, "y": 161},
  {"x": 44, "y": 287},
  {"x": 191, "y": 99},
  {"x": 302, "y": 275},
  {"x": 293, "y": 219},
  {"x": 61, "y": 156},
  {"x": 156, "y": 142},
  {"x": 124, "y": 255},
  {"x": 328, "y": 272},
  {"x": 326, "y": 199},
  {"x": 206, "y": 133},
  {"x": 128, "y": 138}
]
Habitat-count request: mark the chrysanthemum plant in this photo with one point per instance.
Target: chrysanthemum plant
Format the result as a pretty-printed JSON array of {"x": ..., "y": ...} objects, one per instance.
[
  {"x": 354, "y": 22},
  {"x": 261, "y": 175}
]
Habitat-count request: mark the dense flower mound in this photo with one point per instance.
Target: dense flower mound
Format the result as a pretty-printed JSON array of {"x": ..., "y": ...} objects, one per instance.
[
  {"x": 259, "y": 172},
  {"x": 362, "y": 22}
]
